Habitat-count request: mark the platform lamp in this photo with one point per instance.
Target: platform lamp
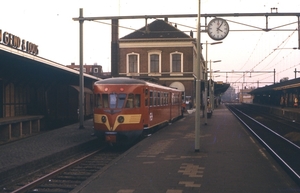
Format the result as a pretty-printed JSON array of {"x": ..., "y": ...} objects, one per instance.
[{"x": 205, "y": 79}]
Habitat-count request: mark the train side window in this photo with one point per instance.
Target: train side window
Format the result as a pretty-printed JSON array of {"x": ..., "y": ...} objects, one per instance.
[
  {"x": 146, "y": 97},
  {"x": 167, "y": 98},
  {"x": 173, "y": 99},
  {"x": 151, "y": 98},
  {"x": 155, "y": 98},
  {"x": 105, "y": 100},
  {"x": 129, "y": 102},
  {"x": 167, "y": 95},
  {"x": 158, "y": 99},
  {"x": 137, "y": 100},
  {"x": 121, "y": 100}
]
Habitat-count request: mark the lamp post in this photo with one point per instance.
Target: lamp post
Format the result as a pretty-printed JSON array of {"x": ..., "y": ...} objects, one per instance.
[
  {"x": 198, "y": 83},
  {"x": 81, "y": 77},
  {"x": 205, "y": 80}
]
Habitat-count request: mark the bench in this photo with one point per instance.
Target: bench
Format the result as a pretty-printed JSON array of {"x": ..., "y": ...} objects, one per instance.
[{"x": 19, "y": 126}]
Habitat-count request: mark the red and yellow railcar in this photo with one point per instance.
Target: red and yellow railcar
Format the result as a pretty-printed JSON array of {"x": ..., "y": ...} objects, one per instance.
[{"x": 125, "y": 108}]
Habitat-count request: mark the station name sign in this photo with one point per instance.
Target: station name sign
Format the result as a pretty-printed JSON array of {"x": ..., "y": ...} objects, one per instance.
[{"x": 16, "y": 42}]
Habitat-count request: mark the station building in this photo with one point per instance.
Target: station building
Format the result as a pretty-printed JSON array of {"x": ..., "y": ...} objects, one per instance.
[
  {"x": 160, "y": 53},
  {"x": 36, "y": 93},
  {"x": 94, "y": 70}
]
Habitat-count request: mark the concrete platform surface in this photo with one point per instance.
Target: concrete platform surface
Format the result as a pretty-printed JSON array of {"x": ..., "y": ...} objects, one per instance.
[{"x": 230, "y": 160}]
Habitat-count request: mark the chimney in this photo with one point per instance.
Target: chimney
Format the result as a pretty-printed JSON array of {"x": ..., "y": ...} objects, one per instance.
[
  {"x": 191, "y": 34},
  {"x": 114, "y": 47}
]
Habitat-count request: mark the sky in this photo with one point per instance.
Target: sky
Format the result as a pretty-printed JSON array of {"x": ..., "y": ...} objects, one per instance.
[{"x": 50, "y": 25}]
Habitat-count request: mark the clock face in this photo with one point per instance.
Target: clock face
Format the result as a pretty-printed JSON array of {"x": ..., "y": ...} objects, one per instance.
[{"x": 218, "y": 29}]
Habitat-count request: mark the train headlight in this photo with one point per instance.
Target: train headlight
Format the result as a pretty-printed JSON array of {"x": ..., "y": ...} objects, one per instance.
[
  {"x": 120, "y": 119},
  {"x": 103, "y": 119}
]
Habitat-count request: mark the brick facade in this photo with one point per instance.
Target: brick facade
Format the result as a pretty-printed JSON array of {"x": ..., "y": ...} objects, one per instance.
[{"x": 143, "y": 44}]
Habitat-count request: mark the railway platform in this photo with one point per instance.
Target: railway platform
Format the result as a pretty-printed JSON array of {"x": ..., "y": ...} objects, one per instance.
[{"x": 229, "y": 160}]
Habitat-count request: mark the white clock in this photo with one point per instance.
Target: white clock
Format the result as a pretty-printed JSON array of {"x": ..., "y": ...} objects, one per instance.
[{"x": 218, "y": 29}]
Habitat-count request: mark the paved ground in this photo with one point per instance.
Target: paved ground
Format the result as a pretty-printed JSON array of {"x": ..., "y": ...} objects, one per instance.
[{"x": 230, "y": 160}]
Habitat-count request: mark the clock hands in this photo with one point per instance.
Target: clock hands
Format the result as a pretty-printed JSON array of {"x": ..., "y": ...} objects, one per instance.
[{"x": 218, "y": 29}]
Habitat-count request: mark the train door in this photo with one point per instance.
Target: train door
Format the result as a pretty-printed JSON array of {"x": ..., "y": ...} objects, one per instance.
[
  {"x": 171, "y": 95},
  {"x": 146, "y": 105}
]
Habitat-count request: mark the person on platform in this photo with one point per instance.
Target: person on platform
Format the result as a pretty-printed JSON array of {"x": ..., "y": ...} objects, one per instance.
[
  {"x": 183, "y": 107},
  {"x": 296, "y": 102},
  {"x": 190, "y": 104},
  {"x": 282, "y": 101}
]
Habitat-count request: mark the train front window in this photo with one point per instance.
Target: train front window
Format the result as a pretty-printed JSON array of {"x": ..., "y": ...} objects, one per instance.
[
  {"x": 121, "y": 100},
  {"x": 105, "y": 100},
  {"x": 113, "y": 100}
]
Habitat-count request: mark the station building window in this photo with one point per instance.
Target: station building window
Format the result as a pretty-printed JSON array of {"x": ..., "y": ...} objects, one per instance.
[
  {"x": 176, "y": 60},
  {"x": 154, "y": 62},
  {"x": 133, "y": 63}
]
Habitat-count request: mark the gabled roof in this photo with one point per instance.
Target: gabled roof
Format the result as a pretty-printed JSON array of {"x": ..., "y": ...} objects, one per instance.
[{"x": 156, "y": 29}]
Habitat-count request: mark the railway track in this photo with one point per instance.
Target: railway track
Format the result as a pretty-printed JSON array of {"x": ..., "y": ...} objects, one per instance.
[
  {"x": 69, "y": 176},
  {"x": 275, "y": 136},
  {"x": 67, "y": 171}
]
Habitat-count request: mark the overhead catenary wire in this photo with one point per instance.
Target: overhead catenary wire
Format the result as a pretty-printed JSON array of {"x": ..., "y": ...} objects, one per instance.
[
  {"x": 266, "y": 57},
  {"x": 252, "y": 53}
]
